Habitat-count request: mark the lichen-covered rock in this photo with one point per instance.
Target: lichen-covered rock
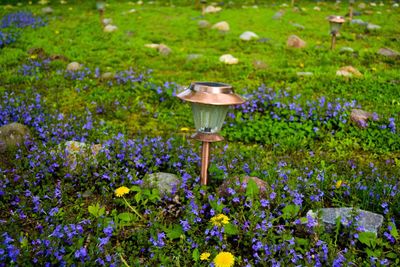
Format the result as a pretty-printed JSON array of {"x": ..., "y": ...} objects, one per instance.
[
  {"x": 262, "y": 185},
  {"x": 110, "y": 28},
  {"x": 211, "y": 9},
  {"x": 295, "y": 42},
  {"x": 388, "y": 52},
  {"x": 164, "y": 50},
  {"x": 165, "y": 182},
  {"x": 228, "y": 59},
  {"x": 222, "y": 26},
  {"x": 13, "y": 135},
  {"x": 360, "y": 117},
  {"x": 74, "y": 66},
  {"x": 348, "y": 71},
  {"x": 78, "y": 153}
]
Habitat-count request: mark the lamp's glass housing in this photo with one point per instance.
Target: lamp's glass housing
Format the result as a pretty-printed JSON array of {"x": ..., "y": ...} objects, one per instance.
[
  {"x": 100, "y": 5},
  {"x": 209, "y": 118},
  {"x": 335, "y": 27}
]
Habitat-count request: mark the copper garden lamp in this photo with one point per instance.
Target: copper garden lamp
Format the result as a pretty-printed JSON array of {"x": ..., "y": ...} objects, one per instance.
[
  {"x": 335, "y": 23},
  {"x": 210, "y": 104}
]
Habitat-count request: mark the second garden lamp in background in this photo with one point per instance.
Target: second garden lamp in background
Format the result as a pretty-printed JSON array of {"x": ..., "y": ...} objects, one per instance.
[
  {"x": 101, "y": 6},
  {"x": 210, "y": 103},
  {"x": 351, "y": 3},
  {"x": 336, "y": 23}
]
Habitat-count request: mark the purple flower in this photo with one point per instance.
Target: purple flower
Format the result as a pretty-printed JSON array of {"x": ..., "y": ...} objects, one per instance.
[
  {"x": 185, "y": 225},
  {"x": 81, "y": 253}
]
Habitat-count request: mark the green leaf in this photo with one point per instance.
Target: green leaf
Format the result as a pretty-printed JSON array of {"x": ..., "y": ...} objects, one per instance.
[
  {"x": 367, "y": 238},
  {"x": 138, "y": 197},
  {"x": 196, "y": 254},
  {"x": 96, "y": 211},
  {"x": 290, "y": 211},
  {"x": 93, "y": 210},
  {"x": 101, "y": 211},
  {"x": 175, "y": 232},
  {"x": 391, "y": 255},
  {"x": 252, "y": 189},
  {"x": 126, "y": 216},
  {"x": 302, "y": 241},
  {"x": 394, "y": 232},
  {"x": 231, "y": 229}
]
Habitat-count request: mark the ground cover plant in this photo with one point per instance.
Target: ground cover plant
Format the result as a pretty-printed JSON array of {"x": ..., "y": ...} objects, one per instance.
[{"x": 77, "y": 191}]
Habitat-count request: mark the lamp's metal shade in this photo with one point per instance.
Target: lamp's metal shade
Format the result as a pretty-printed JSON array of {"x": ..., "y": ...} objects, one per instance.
[{"x": 211, "y": 93}]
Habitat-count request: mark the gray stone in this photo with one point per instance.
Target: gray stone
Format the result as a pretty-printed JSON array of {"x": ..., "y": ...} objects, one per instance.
[
  {"x": 362, "y": 5},
  {"x": 371, "y": 222},
  {"x": 47, "y": 10},
  {"x": 203, "y": 24},
  {"x": 305, "y": 73},
  {"x": 164, "y": 182},
  {"x": 360, "y": 117},
  {"x": 278, "y": 15},
  {"x": 13, "y": 135},
  {"x": 264, "y": 40},
  {"x": 388, "y": 52},
  {"x": 373, "y": 27},
  {"x": 247, "y": 36},
  {"x": 107, "y": 76},
  {"x": 259, "y": 64},
  {"x": 191, "y": 57},
  {"x": 346, "y": 49},
  {"x": 164, "y": 50},
  {"x": 359, "y": 22},
  {"x": 298, "y": 26}
]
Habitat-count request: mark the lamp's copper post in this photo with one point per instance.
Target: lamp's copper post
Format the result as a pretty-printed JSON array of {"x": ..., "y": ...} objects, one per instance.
[
  {"x": 351, "y": 12},
  {"x": 206, "y": 139},
  {"x": 101, "y": 13},
  {"x": 205, "y": 159},
  {"x": 333, "y": 41}
]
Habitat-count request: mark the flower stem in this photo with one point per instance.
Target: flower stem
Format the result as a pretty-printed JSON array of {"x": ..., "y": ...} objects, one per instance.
[{"x": 133, "y": 209}]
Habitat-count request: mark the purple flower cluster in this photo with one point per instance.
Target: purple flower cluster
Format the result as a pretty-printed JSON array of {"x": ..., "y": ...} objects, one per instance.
[
  {"x": 7, "y": 38},
  {"x": 11, "y": 23},
  {"x": 282, "y": 106},
  {"x": 21, "y": 20},
  {"x": 34, "y": 68}
]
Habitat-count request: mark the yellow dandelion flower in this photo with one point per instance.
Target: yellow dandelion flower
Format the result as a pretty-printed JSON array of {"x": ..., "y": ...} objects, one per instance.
[
  {"x": 57, "y": 32},
  {"x": 33, "y": 56},
  {"x": 120, "y": 191},
  {"x": 204, "y": 256},
  {"x": 301, "y": 65},
  {"x": 219, "y": 220},
  {"x": 339, "y": 183},
  {"x": 224, "y": 259},
  {"x": 185, "y": 129}
]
